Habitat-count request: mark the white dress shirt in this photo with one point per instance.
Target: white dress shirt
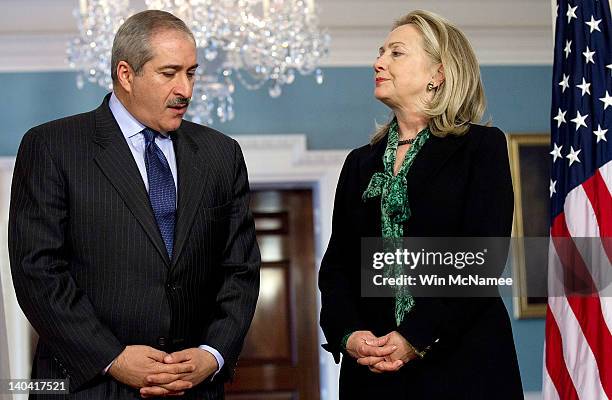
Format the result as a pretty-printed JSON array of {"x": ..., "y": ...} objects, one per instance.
[{"x": 131, "y": 129}]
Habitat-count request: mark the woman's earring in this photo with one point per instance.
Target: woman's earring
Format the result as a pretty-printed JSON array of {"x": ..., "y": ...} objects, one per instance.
[{"x": 430, "y": 86}]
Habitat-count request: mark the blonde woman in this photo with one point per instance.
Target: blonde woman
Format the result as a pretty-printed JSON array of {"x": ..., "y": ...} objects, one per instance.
[{"x": 431, "y": 171}]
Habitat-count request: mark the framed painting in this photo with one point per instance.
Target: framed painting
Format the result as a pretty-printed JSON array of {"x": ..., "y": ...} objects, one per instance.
[{"x": 530, "y": 166}]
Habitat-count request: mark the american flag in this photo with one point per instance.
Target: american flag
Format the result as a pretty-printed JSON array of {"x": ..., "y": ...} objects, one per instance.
[{"x": 578, "y": 348}]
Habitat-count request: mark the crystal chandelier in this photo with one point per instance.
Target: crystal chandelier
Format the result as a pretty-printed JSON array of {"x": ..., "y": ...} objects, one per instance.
[{"x": 257, "y": 42}]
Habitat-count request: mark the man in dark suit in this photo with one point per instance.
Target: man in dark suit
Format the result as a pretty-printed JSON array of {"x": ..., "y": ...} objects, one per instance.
[{"x": 132, "y": 247}]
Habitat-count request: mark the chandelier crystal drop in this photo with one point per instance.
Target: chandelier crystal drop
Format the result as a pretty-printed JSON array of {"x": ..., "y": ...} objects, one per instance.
[{"x": 259, "y": 43}]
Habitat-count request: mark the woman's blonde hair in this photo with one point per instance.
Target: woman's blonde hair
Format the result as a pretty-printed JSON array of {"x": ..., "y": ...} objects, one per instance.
[{"x": 459, "y": 100}]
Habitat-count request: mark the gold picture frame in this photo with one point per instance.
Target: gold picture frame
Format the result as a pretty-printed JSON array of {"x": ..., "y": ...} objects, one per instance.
[{"x": 530, "y": 168}]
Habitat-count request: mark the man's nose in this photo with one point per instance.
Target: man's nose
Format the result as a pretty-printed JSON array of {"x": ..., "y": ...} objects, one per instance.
[{"x": 184, "y": 86}]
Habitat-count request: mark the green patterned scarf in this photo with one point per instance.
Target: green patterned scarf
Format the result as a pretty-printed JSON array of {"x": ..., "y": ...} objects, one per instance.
[{"x": 394, "y": 207}]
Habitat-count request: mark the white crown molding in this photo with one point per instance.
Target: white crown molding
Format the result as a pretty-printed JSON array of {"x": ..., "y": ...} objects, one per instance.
[
  {"x": 285, "y": 158},
  {"x": 350, "y": 47},
  {"x": 493, "y": 45},
  {"x": 33, "y": 52},
  {"x": 460, "y": 12},
  {"x": 502, "y": 32}
]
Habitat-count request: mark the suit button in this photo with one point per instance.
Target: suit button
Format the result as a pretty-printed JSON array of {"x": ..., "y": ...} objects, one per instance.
[{"x": 162, "y": 341}]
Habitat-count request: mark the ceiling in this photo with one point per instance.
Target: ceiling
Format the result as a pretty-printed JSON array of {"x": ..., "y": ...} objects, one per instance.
[{"x": 33, "y": 33}]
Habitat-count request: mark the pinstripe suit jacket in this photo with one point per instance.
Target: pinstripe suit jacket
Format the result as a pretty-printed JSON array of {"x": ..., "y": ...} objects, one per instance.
[{"x": 89, "y": 265}]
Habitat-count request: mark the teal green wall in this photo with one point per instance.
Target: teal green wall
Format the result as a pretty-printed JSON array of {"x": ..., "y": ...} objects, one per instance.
[{"x": 340, "y": 114}]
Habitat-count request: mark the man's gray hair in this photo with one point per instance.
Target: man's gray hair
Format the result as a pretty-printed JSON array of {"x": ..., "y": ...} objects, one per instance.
[{"x": 132, "y": 42}]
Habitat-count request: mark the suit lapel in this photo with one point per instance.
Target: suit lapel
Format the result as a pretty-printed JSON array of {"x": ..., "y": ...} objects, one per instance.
[
  {"x": 117, "y": 163},
  {"x": 432, "y": 157},
  {"x": 192, "y": 181},
  {"x": 428, "y": 162},
  {"x": 373, "y": 162},
  {"x": 370, "y": 208}
]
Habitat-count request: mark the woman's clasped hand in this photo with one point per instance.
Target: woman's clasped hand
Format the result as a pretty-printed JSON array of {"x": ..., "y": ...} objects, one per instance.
[{"x": 386, "y": 353}]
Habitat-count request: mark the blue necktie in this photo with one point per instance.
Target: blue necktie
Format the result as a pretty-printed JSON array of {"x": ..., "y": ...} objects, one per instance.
[{"x": 162, "y": 191}]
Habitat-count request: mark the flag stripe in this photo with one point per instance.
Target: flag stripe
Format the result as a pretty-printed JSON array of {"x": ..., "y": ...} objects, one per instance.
[
  {"x": 582, "y": 226},
  {"x": 601, "y": 201},
  {"x": 579, "y": 215},
  {"x": 606, "y": 175},
  {"x": 591, "y": 245},
  {"x": 589, "y": 314},
  {"x": 588, "y": 310},
  {"x": 576, "y": 276},
  {"x": 555, "y": 364},
  {"x": 575, "y": 350},
  {"x": 549, "y": 391}
]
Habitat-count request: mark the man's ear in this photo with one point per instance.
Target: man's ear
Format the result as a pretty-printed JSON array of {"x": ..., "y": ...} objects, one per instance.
[{"x": 125, "y": 76}]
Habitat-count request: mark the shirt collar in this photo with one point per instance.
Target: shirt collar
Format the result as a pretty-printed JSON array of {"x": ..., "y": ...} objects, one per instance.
[{"x": 129, "y": 125}]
